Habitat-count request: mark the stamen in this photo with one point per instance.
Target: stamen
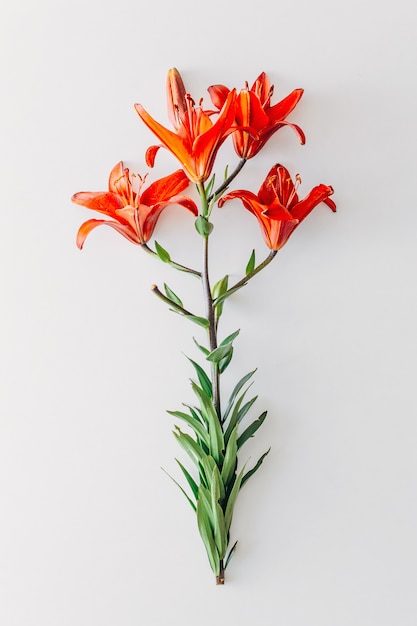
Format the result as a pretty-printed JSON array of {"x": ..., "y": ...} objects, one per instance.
[
  {"x": 295, "y": 187},
  {"x": 190, "y": 101}
]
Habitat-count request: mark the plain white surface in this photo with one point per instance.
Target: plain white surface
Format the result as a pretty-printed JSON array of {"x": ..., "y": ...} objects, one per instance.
[{"x": 92, "y": 533}]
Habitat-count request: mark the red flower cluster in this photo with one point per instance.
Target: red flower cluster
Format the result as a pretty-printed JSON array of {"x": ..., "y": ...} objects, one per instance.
[{"x": 251, "y": 120}]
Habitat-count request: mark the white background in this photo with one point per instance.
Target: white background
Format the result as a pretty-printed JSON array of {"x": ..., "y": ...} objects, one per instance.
[{"x": 92, "y": 532}]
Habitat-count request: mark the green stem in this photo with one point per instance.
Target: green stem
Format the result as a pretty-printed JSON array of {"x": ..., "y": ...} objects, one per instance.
[
  {"x": 177, "y": 266},
  {"x": 244, "y": 281},
  {"x": 220, "y": 575},
  {"x": 172, "y": 304},
  {"x": 228, "y": 180},
  {"x": 210, "y": 310}
]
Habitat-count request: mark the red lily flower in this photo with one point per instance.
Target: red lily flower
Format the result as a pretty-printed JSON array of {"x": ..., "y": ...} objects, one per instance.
[
  {"x": 277, "y": 207},
  {"x": 196, "y": 139},
  {"x": 134, "y": 213},
  {"x": 253, "y": 109}
]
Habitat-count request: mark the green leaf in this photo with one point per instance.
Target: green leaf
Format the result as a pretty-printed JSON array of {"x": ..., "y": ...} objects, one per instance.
[
  {"x": 251, "y": 430},
  {"x": 172, "y": 296},
  {"x": 235, "y": 391},
  {"x": 202, "y": 348},
  {"x": 225, "y": 361},
  {"x": 229, "y": 556},
  {"x": 217, "y": 513},
  {"x": 204, "y": 380},
  {"x": 219, "y": 290},
  {"x": 220, "y": 353},
  {"x": 245, "y": 408},
  {"x": 203, "y": 226},
  {"x": 207, "y": 464},
  {"x": 232, "y": 499},
  {"x": 234, "y": 418},
  {"x": 209, "y": 186},
  {"x": 196, "y": 425},
  {"x": 189, "y": 478},
  {"x": 181, "y": 488},
  {"x": 201, "y": 321},
  {"x": 191, "y": 447},
  {"x": 253, "y": 470},
  {"x": 207, "y": 537},
  {"x": 162, "y": 253},
  {"x": 230, "y": 338},
  {"x": 230, "y": 458},
  {"x": 220, "y": 287},
  {"x": 216, "y": 444},
  {"x": 251, "y": 263},
  {"x": 205, "y": 498}
]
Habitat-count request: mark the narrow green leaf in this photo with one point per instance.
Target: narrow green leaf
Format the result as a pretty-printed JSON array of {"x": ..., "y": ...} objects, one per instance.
[
  {"x": 189, "y": 478},
  {"x": 205, "y": 498},
  {"x": 181, "y": 488},
  {"x": 191, "y": 447},
  {"x": 196, "y": 425},
  {"x": 219, "y": 482},
  {"x": 220, "y": 534},
  {"x": 217, "y": 513},
  {"x": 245, "y": 408},
  {"x": 234, "y": 418},
  {"x": 230, "y": 458},
  {"x": 230, "y": 338},
  {"x": 207, "y": 537},
  {"x": 251, "y": 263},
  {"x": 203, "y": 226},
  {"x": 226, "y": 172},
  {"x": 234, "y": 393},
  {"x": 172, "y": 296},
  {"x": 215, "y": 431},
  {"x": 253, "y": 470},
  {"x": 224, "y": 363},
  {"x": 196, "y": 413},
  {"x": 219, "y": 290},
  {"x": 204, "y": 380},
  {"x": 201, "y": 321},
  {"x": 229, "y": 556},
  {"x": 220, "y": 353},
  {"x": 251, "y": 430},
  {"x": 232, "y": 499},
  {"x": 210, "y": 185},
  {"x": 207, "y": 465},
  {"x": 162, "y": 253},
  {"x": 202, "y": 348},
  {"x": 220, "y": 287}
]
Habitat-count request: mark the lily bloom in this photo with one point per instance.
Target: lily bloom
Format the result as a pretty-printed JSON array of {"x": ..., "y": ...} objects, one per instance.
[
  {"x": 277, "y": 206},
  {"x": 254, "y": 110},
  {"x": 196, "y": 139},
  {"x": 134, "y": 213}
]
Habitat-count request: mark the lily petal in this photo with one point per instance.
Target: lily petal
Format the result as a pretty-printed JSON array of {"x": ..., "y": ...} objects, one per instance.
[
  {"x": 317, "y": 194},
  {"x": 101, "y": 201},
  {"x": 164, "y": 188},
  {"x": 86, "y": 228},
  {"x": 218, "y": 95}
]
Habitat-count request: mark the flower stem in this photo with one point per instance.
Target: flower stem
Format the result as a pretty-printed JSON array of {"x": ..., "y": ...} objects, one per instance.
[
  {"x": 212, "y": 328},
  {"x": 170, "y": 302},
  {"x": 228, "y": 180},
  {"x": 177, "y": 266},
  {"x": 244, "y": 281}
]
